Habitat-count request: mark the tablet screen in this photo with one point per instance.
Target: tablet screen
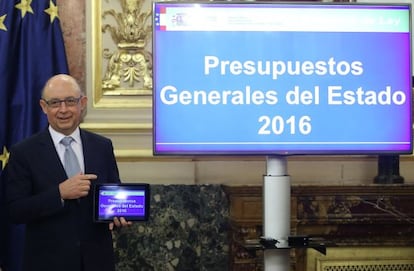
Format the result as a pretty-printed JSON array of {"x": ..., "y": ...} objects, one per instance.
[{"x": 130, "y": 201}]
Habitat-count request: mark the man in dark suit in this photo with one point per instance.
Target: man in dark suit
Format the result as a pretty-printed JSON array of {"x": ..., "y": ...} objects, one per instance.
[{"x": 56, "y": 208}]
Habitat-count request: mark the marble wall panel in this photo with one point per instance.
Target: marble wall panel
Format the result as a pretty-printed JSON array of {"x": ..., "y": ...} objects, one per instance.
[{"x": 187, "y": 230}]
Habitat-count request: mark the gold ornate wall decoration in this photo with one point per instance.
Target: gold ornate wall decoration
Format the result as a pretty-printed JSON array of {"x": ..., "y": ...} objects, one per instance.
[
  {"x": 122, "y": 53},
  {"x": 130, "y": 62}
]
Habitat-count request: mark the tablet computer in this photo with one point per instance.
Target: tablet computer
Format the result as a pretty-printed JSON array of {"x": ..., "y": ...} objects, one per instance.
[{"x": 128, "y": 200}]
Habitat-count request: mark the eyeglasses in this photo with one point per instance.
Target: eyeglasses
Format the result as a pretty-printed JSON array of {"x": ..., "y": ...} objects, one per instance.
[{"x": 56, "y": 103}]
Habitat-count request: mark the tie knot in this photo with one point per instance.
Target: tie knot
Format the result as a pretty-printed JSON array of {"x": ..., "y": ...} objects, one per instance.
[{"x": 66, "y": 141}]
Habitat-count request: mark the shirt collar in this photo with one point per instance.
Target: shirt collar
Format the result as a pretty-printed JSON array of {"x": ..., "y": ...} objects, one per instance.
[{"x": 57, "y": 137}]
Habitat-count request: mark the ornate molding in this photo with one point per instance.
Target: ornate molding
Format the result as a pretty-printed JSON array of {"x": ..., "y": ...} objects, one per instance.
[
  {"x": 141, "y": 128},
  {"x": 121, "y": 54},
  {"x": 361, "y": 259},
  {"x": 346, "y": 217}
]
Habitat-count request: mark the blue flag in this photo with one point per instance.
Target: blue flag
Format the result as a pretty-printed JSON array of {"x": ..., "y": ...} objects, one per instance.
[{"x": 31, "y": 51}]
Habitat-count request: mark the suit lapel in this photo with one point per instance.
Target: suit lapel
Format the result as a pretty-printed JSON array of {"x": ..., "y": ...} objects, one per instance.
[
  {"x": 50, "y": 156},
  {"x": 86, "y": 146}
]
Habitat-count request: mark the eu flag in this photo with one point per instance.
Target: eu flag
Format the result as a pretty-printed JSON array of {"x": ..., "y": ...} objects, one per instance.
[{"x": 31, "y": 51}]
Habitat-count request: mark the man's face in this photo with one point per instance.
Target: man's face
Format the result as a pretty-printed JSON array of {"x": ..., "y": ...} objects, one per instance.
[{"x": 63, "y": 104}]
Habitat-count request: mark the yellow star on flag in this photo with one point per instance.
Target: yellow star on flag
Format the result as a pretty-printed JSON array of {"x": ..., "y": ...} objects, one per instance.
[
  {"x": 25, "y": 6},
  {"x": 2, "y": 19},
  {"x": 4, "y": 157},
  {"x": 52, "y": 11}
]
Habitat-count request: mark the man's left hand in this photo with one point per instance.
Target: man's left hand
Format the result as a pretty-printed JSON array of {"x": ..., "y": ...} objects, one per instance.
[{"x": 119, "y": 222}]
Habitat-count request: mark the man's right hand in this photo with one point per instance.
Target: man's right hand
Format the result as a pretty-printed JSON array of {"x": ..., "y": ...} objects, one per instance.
[{"x": 77, "y": 186}]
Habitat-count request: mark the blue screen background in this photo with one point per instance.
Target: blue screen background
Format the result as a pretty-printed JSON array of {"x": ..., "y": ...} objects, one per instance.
[{"x": 179, "y": 61}]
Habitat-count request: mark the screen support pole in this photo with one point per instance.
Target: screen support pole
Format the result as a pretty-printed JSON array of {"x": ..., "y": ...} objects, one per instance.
[{"x": 276, "y": 213}]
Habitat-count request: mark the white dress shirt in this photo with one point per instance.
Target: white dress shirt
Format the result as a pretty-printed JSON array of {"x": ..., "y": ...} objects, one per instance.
[{"x": 76, "y": 145}]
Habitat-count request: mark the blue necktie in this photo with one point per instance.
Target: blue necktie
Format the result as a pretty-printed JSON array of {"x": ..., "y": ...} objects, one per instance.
[{"x": 71, "y": 162}]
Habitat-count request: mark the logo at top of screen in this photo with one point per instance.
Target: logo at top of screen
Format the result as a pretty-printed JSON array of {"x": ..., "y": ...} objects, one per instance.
[{"x": 181, "y": 19}]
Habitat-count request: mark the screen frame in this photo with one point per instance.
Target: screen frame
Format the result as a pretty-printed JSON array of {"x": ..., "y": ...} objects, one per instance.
[
  {"x": 276, "y": 151},
  {"x": 133, "y": 187}
]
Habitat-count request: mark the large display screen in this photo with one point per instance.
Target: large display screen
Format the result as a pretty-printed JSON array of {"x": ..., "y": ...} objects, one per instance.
[{"x": 281, "y": 78}]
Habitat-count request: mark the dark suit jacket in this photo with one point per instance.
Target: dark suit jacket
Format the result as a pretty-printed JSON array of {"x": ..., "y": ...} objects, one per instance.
[{"x": 59, "y": 237}]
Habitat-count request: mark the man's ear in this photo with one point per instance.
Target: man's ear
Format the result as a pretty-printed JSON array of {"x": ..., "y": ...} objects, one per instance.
[
  {"x": 84, "y": 102},
  {"x": 43, "y": 105}
]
